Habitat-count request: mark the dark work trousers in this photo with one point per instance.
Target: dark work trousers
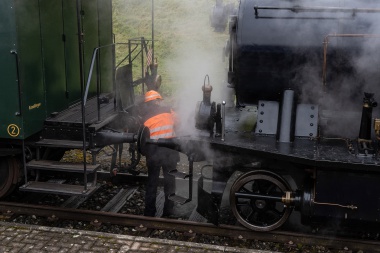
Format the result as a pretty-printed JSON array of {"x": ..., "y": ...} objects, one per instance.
[{"x": 157, "y": 158}]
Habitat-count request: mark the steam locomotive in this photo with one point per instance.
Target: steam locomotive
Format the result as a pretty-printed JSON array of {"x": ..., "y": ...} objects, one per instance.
[{"x": 303, "y": 131}]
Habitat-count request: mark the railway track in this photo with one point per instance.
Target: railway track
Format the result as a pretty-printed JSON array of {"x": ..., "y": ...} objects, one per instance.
[
  {"x": 115, "y": 211},
  {"x": 182, "y": 228}
]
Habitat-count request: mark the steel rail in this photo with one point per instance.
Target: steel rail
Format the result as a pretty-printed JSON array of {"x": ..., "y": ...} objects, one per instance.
[{"x": 236, "y": 232}]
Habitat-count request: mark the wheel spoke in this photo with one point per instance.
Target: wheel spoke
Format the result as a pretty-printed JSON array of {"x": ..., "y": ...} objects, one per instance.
[
  {"x": 261, "y": 219},
  {"x": 271, "y": 188},
  {"x": 256, "y": 186},
  {"x": 245, "y": 190},
  {"x": 244, "y": 203},
  {"x": 248, "y": 217},
  {"x": 260, "y": 186},
  {"x": 273, "y": 215}
]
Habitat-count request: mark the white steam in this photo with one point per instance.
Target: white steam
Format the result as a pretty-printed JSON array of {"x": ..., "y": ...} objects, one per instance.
[{"x": 198, "y": 53}]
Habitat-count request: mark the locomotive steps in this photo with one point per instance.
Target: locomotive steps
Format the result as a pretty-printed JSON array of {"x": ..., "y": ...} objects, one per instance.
[
  {"x": 57, "y": 187},
  {"x": 63, "y": 132}
]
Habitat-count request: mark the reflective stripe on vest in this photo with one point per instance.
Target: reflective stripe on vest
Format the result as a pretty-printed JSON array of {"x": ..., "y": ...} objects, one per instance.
[
  {"x": 152, "y": 97},
  {"x": 161, "y": 126}
]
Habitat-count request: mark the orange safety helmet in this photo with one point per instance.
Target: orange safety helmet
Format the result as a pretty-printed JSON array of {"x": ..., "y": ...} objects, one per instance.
[{"x": 152, "y": 95}]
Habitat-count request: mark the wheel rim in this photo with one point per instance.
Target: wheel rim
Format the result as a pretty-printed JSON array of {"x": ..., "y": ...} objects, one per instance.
[
  {"x": 258, "y": 214},
  {"x": 9, "y": 173}
]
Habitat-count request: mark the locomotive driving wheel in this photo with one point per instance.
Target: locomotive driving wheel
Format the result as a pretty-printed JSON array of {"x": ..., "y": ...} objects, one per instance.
[
  {"x": 255, "y": 199},
  {"x": 9, "y": 175}
]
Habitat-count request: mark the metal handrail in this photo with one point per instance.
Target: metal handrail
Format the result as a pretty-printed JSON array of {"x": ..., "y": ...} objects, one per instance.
[
  {"x": 94, "y": 55},
  {"x": 84, "y": 100},
  {"x": 137, "y": 42},
  {"x": 19, "y": 87},
  {"x": 297, "y": 9}
]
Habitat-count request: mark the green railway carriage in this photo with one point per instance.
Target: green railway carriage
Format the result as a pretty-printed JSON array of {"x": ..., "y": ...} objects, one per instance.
[
  {"x": 40, "y": 62},
  {"x": 58, "y": 89}
]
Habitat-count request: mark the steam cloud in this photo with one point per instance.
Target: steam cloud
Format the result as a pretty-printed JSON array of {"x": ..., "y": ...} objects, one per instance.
[
  {"x": 350, "y": 72},
  {"x": 200, "y": 53}
]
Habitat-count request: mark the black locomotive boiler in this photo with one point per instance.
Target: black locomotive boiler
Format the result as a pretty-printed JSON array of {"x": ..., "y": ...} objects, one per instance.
[{"x": 304, "y": 129}]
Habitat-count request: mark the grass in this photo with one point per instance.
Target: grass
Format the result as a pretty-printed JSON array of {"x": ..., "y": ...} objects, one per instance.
[{"x": 185, "y": 45}]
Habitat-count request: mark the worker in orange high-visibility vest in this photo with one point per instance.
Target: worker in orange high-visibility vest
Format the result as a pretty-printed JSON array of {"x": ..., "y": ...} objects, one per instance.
[{"x": 161, "y": 122}]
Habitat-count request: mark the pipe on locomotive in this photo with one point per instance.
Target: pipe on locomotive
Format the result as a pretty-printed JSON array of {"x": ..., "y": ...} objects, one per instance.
[
  {"x": 298, "y": 9},
  {"x": 223, "y": 120},
  {"x": 104, "y": 138},
  {"x": 207, "y": 89},
  {"x": 299, "y": 199},
  {"x": 286, "y": 116},
  {"x": 293, "y": 199}
]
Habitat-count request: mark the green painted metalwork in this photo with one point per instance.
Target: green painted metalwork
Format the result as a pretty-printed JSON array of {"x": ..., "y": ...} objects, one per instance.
[
  {"x": 51, "y": 17},
  {"x": 39, "y": 59},
  {"x": 91, "y": 31},
  {"x": 9, "y": 107},
  {"x": 29, "y": 51},
  {"x": 105, "y": 38},
  {"x": 71, "y": 51}
]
